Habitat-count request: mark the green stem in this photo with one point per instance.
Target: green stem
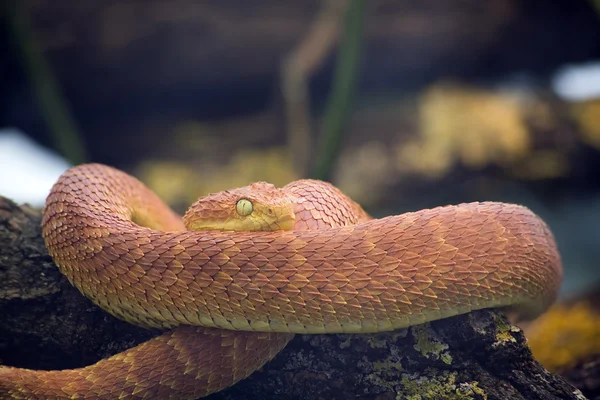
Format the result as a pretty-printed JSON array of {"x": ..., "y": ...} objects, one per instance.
[
  {"x": 343, "y": 91},
  {"x": 48, "y": 93}
]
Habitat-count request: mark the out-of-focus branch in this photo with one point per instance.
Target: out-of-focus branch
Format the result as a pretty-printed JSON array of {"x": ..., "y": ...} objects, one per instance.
[
  {"x": 44, "y": 84},
  {"x": 296, "y": 70},
  {"x": 342, "y": 95}
]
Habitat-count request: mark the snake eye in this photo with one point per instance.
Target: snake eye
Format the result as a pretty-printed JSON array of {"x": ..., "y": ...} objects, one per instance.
[{"x": 244, "y": 207}]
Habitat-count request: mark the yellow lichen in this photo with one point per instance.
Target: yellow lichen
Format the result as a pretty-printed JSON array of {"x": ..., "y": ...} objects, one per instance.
[
  {"x": 387, "y": 366},
  {"x": 430, "y": 346},
  {"x": 542, "y": 164},
  {"x": 436, "y": 385},
  {"x": 469, "y": 126},
  {"x": 587, "y": 115},
  {"x": 382, "y": 341},
  {"x": 180, "y": 183},
  {"x": 472, "y": 388},
  {"x": 173, "y": 182},
  {"x": 564, "y": 335},
  {"x": 504, "y": 331}
]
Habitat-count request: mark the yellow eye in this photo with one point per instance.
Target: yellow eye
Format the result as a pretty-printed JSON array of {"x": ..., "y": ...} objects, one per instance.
[{"x": 244, "y": 207}]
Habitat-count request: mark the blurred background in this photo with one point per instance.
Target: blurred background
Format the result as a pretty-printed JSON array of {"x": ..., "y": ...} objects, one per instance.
[{"x": 402, "y": 104}]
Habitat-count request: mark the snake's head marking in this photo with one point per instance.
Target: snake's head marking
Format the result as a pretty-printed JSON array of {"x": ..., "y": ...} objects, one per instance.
[{"x": 259, "y": 206}]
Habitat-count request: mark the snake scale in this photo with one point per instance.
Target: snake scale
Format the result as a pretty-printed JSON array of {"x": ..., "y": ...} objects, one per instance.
[{"x": 321, "y": 266}]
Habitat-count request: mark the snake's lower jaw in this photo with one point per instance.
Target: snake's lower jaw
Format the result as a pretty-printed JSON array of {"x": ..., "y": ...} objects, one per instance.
[
  {"x": 287, "y": 222},
  {"x": 249, "y": 225}
]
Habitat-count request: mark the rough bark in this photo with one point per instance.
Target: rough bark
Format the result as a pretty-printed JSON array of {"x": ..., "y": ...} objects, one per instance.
[
  {"x": 46, "y": 323},
  {"x": 585, "y": 375}
]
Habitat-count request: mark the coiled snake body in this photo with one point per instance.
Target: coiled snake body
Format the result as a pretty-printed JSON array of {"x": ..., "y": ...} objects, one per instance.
[{"x": 325, "y": 268}]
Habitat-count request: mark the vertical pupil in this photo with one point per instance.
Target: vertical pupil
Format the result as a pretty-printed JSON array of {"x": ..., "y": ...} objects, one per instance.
[{"x": 244, "y": 207}]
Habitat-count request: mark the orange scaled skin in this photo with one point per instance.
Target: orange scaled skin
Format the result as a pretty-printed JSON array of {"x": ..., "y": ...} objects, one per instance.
[
  {"x": 190, "y": 362},
  {"x": 375, "y": 275}
]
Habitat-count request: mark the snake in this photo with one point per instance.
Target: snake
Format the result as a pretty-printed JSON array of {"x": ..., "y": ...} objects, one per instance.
[{"x": 246, "y": 269}]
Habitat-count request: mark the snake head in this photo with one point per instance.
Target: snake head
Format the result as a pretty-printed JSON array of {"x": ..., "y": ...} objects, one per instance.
[{"x": 259, "y": 206}]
